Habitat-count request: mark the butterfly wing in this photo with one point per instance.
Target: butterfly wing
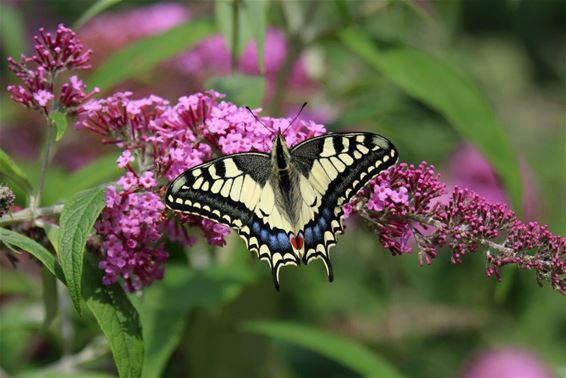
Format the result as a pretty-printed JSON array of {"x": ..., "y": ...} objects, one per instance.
[
  {"x": 235, "y": 190},
  {"x": 333, "y": 168}
]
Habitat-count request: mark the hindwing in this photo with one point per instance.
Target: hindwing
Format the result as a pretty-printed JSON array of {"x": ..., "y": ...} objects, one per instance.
[{"x": 334, "y": 167}]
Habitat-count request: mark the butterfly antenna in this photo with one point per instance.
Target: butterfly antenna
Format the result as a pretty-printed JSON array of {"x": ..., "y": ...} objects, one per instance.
[
  {"x": 258, "y": 120},
  {"x": 294, "y": 119}
]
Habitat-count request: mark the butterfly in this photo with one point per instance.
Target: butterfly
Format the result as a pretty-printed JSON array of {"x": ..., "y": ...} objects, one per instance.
[{"x": 286, "y": 205}]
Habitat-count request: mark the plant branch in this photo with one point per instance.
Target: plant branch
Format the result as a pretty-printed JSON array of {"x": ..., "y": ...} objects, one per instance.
[
  {"x": 485, "y": 242},
  {"x": 30, "y": 214},
  {"x": 429, "y": 221},
  {"x": 491, "y": 245}
]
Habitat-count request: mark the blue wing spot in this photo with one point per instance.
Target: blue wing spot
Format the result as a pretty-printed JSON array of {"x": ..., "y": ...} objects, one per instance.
[
  {"x": 309, "y": 237},
  {"x": 255, "y": 228},
  {"x": 317, "y": 233},
  {"x": 273, "y": 243},
  {"x": 326, "y": 213},
  {"x": 322, "y": 223},
  {"x": 264, "y": 236},
  {"x": 283, "y": 240}
]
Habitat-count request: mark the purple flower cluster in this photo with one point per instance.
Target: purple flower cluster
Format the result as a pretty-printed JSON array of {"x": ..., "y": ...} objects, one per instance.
[
  {"x": 532, "y": 246},
  {"x": 160, "y": 141},
  {"x": 406, "y": 207},
  {"x": 131, "y": 225},
  {"x": 469, "y": 219},
  {"x": 53, "y": 54},
  {"x": 395, "y": 194}
]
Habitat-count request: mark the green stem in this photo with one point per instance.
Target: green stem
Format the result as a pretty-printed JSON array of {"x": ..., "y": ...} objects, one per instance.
[{"x": 45, "y": 159}]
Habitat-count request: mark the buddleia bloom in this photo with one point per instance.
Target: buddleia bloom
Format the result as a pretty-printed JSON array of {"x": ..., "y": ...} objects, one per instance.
[
  {"x": 410, "y": 209},
  {"x": 54, "y": 53}
]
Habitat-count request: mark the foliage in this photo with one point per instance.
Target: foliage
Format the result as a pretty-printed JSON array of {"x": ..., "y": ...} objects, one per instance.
[{"x": 150, "y": 292}]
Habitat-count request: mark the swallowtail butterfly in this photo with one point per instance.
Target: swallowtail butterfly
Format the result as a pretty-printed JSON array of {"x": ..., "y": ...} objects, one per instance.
[{"x": 286, "y": 205}]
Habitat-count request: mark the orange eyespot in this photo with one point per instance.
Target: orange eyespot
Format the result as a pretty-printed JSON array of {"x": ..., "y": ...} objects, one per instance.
[{"x": 297, "y": 242}]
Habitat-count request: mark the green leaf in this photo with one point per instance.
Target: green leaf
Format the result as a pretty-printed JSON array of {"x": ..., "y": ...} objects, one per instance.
[
  {"x": 76, "y": 221},
  {"x": 165, "y": 307},
  {"x": 344, "y": 351},
  {"x": 99, "y": 171},
  {"x": 52, "y": 232},
  {"x": 11, "y": 170},
  {"x": 49, "y": 284},
  {"x": 146, "y": 53},
  {"x": 256, "y": 14},
  {"x": 243, "y": 90},
  {"x": 94, "y": 10},
  {"x": 60, "y": 122},
  {"x": 452, "y": 93},
  {"x": 50, "y": 297},
  {"x": 232, "y": 24},
  {"x": 13, "y": 31},
  {"x": 117, "y": 318},
  {"x": 16, "y": 240}
]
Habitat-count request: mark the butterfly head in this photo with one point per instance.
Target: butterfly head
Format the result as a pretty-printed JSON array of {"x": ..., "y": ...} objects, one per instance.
[{"x": 280, "y": 155}]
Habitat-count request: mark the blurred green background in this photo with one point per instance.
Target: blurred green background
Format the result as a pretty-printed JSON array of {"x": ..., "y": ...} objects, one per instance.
[{"x": 219, "y": 315}]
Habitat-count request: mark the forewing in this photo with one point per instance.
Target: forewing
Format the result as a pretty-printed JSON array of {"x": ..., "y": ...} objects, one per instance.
[
  {"x": 224, "y": 190},
  {"x": 334, "y": 167},
  {"x": 235, "y": 190}
]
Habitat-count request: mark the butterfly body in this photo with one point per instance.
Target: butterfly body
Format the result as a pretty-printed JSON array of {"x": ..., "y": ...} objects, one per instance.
[{"x": 286, "y": 205}]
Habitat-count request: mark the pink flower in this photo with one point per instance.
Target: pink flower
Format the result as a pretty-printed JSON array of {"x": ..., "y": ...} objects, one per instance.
[
  {"x": 124, "y": 159},
  {"x": 42, "y": 97},
  {"x": 128, "y": 182},
  {"x": 147, "y": 180},
  {"x": 73, "y": 94},
  {"x": 214, "y": 232}
]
